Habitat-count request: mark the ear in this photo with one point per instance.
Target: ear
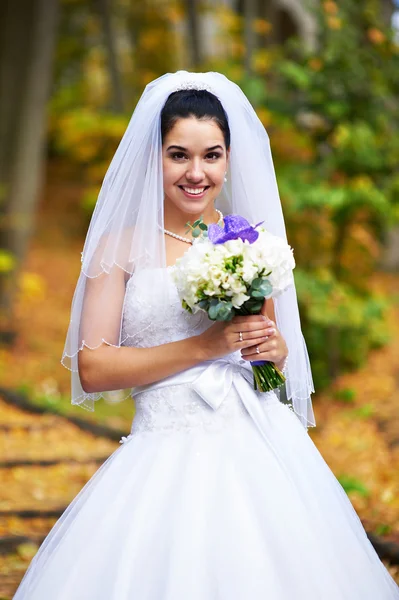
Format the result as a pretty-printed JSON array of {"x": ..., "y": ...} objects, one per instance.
[{"x": 267, "y": 309}]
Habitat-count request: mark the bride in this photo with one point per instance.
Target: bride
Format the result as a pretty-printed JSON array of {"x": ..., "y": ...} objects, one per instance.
[{"x": 218, "y": 492}]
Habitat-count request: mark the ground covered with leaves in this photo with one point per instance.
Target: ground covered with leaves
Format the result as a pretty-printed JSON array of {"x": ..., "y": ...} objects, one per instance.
[{"x": 46, "y": 458}]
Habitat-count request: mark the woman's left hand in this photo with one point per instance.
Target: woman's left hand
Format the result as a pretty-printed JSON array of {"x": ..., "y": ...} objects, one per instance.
[{"x": 273, "y": 349}]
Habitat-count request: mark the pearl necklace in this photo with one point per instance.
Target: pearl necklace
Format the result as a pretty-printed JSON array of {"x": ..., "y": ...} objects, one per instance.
[{"x": 187, "y": 240}]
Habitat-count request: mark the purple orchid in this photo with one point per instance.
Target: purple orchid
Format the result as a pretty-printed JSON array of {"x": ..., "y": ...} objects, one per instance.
[{"x": 235, "y": 227}]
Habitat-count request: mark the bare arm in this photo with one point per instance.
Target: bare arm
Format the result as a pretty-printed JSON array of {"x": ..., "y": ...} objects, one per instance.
[
  {"x": 111, "y": 368},
  {"x": 107, "y": 366}
]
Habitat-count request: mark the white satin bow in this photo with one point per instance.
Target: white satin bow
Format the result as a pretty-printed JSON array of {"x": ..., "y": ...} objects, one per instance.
[{"x": 213, "y": 380}]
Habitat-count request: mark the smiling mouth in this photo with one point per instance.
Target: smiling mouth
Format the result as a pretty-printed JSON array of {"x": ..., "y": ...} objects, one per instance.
[{"x": 194, "y": 191}]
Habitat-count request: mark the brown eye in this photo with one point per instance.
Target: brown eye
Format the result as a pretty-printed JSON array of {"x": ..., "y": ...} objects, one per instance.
[
  {"x": 178, "y": 155},
  {"x": 214, "y": 155}
]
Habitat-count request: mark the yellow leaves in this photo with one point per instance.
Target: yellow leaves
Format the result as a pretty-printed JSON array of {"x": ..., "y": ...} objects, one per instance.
[
  {"x": 265, "y": 116},
  {"x": 316, "y": 64},
  {"x": 376, "y": 36},
  {"x": 149, "y": 40},
  {"x": 85, "y": 137},
  {"x": 365, "y": 239},
  {"x": 27, "y": 551},
  {"x": 361, "y": 182},
  {"x": 331, "y": 10},
  {"x": 229, "y": 19},
  {"x": 86, "y": 151},
  {"x": 334, "y": 22},
  {"x": 32, "y": 286},
  {"x": 261, "y": 26},
  {"x": 175, "y": 14},
  {"x": 340, "y": 136},
  {"x": 262, "y": 61},
  {"x": 358, "y": 256},
  {"x": 290, "y": 144},
  {"x": 388, "y": 495},
  {"x": 313, "y": 237},
  {"x": 237, "y": 48},
  {"x": 330, "y": 7},
  {"x": 235, "y": 72},
  {"x": 7, "y": 261},
  {"x": 146, "y": 76}
]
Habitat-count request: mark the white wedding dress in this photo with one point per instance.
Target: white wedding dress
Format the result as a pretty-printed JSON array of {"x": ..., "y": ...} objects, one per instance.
[{"x": 218, "y": 493}]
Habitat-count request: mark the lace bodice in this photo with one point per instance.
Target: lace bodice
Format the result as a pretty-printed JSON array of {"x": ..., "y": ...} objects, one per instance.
[
  {"x": 176, "y": 407},
  {"x": 147, "y": 323}
]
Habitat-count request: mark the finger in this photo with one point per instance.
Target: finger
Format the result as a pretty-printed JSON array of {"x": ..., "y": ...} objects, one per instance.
[
  {"x": 267, "y": 334},
  {"x": 270, "y": 345},
  {"x": 240, "y": 320},
  {"x": 270, "y": 356},
  {"x": 254, "y": 335},
  {"x": 249, "y": 326},
  {"x": 250, "y": 343}
]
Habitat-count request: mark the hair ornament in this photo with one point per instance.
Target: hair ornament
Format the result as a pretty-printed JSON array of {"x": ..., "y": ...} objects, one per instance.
[{"x": 194, "y": 85}]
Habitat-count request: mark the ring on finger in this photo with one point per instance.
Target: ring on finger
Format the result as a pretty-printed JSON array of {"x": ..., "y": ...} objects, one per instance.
[
  {"x": 257, "y": 350},
  {"x": 240, "y": 336}
]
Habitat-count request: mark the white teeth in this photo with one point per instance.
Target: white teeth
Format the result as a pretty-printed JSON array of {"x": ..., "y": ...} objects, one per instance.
[{"x": 193, "y": 190}]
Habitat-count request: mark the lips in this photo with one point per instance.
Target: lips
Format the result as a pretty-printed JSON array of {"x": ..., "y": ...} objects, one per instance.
[{"x": 194, "y": 192}]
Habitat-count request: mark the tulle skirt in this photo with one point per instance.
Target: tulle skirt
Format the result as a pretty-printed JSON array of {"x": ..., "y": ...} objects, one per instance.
[{"x": 201, "y": 513}]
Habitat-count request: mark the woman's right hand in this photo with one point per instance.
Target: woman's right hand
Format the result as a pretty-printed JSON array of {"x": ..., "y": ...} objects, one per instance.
[{"x": 224, "y": 337}]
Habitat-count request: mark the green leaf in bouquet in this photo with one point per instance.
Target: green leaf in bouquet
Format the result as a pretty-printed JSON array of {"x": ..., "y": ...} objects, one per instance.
[
  {"x": 213, "y": 311},
  {"x": 204, "y": 304},
  {"x": 253, "y": 306},
  {"x": 256, "y": 283},
  {"x": 261, "y": 290},
  {"x": 225, "y": 311},
  {"x": 196, "y": 232},
  {"x": 203, "y": 226},
  {"x": 186, "y": 306},
  {"x": 257, "y": 294},
  {"x": 266, "y": 287}
]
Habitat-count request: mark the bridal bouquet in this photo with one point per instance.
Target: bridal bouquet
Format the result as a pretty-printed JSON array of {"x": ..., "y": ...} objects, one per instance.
[{"x": 230, "y": 271}]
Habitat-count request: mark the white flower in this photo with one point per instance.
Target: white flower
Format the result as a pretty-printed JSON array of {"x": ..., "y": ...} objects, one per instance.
[
  {"x": 226, "y": 271},
  {"x": 239, "y": 299}
]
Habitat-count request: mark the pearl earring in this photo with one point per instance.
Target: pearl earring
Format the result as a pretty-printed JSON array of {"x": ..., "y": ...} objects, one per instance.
[{"x": 225, "y": 178}]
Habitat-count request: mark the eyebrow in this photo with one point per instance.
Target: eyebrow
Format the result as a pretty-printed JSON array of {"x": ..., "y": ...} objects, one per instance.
[{"x": 185, "y": 149}]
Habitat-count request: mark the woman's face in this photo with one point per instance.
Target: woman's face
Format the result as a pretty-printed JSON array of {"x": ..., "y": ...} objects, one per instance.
[{"x": 194, "y": 158}]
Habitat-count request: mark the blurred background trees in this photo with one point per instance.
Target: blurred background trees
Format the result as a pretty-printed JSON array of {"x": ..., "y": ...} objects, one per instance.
[
  {"x": 27, "y": 36},
  {"x": 323, "y": 77}
]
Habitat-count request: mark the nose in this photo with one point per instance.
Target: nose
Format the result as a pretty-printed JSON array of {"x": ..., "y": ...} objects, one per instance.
[{"x": 195, "y": 172}]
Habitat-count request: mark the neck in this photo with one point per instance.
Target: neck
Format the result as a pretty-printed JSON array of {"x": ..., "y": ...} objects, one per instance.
[{"x": 175, "y": 220}]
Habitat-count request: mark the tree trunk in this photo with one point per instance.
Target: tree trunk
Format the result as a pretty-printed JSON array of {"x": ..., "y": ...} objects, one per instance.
[
  {"x": 104, "y": 7},
  {"x": 194, "y": 32},
  {"x": 250, "y": 15},
  {"x": 25, "y": 70}
]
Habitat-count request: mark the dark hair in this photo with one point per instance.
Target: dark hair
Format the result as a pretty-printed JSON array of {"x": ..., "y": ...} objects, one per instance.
[{"x": 200, "y": 104}]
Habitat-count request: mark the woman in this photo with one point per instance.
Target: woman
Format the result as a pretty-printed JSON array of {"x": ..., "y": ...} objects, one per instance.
[{"x": 218, "y": 492}]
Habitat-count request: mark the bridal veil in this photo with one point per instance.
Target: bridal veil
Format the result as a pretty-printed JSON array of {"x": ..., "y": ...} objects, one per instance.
[{"x": 126, "y": 230}]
